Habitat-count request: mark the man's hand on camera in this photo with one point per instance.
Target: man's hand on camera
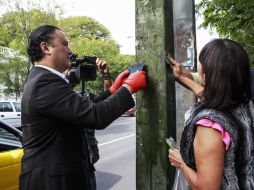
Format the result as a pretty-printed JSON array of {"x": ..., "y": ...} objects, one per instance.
[
  {"x": 119, "y": 81},
  {"x": 135, "y": 81},
  {"x": 103, "y": 68}
]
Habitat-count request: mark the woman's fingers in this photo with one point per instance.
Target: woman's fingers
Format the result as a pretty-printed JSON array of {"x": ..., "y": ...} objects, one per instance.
[
  {"x": 174, "y": 157},
  {"x": 172, "y": 162},
  {"x": 174, "y": 62}
]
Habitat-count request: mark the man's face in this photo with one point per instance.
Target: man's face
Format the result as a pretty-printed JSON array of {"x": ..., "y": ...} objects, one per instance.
[{"x": 59, "y": 51}]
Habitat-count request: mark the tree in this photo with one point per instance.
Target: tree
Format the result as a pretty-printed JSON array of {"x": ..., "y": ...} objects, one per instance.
[
  {"x": 15, "y": 26},
  {"x": 232, "y": 19},
  {"x": 82, "y": 27},
  {"x": 14, "y": 34},
  {"x": 86, "y": 36},
  {"x": 13, "y": 74},
  {"x": 19, "y": 20}
]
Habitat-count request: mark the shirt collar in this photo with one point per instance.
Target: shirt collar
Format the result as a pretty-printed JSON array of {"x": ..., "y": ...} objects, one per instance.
[{"x": 54, "y": 71}]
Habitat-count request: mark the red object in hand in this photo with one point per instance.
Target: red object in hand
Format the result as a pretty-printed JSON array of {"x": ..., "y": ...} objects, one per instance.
[
  {"x": 119, "y": 81},
  {"x": 137, "y": 81}
]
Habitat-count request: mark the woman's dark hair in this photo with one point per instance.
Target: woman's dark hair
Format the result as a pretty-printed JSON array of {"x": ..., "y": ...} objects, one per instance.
[
  {"x": 40, "y": 34},
  {"x": 227, "y": 74}
]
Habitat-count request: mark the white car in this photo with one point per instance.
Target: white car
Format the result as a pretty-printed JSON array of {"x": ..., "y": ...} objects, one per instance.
[{"x": 10, "y": 112}]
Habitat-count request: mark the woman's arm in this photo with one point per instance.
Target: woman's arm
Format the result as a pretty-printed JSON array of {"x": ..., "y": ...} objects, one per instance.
[
  {"x": 190, "y": 84},
  {"x": 185, "y": 78},
  {"x": 209, "y": 151}
]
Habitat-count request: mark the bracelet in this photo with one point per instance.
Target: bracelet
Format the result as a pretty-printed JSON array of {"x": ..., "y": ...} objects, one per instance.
[{"x": 106, "y": 77}]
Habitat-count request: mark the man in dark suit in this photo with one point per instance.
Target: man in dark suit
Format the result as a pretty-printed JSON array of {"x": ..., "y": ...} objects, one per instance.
[
  {"x": 92, "y": 143},
  {"x": 54, "y": 116}
]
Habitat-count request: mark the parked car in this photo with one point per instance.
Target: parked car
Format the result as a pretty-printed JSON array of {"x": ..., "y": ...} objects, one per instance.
[
  {"x": 11, "y": 153},
  {"x": 10, "y": 112}
]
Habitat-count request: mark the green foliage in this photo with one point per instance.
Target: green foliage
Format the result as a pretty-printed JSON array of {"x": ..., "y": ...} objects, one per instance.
[
  {"x": 13, "y": 74},
  {"x": 17, "y": 23},
  {"x": 15, "y": 28},
  {"x": 232, "y": 19},
  {"x": 86, "y": 37},
  {"x": 82, "y": 27}
]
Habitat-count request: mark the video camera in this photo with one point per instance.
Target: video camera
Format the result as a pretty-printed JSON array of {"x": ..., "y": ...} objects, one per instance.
[{"x": 82, "y": 69}]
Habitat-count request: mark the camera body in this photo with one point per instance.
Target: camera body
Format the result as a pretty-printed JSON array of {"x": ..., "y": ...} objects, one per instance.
[{"x": 82, "y": 69}]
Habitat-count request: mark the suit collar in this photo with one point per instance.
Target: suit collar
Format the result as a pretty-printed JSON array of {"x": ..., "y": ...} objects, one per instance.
[{"x": 53, "y": 71}]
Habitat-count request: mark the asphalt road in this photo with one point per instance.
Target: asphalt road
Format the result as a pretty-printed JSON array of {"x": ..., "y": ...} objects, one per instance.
[{"x": 116, "y": 169}]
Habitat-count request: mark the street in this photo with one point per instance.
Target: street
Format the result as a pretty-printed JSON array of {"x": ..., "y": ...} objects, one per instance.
[{"x": 116, "y": 168}]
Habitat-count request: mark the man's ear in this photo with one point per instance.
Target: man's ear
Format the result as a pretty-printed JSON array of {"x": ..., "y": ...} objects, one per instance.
[{"x": 44, "y": 48}]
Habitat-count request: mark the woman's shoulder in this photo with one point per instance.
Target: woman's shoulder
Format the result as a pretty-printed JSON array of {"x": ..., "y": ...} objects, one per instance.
[{"x": 225, "y": 137}]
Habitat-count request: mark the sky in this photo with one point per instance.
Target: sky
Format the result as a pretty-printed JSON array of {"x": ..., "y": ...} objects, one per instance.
[
  {"x": 119, "y": 17},
  {"x": 116, "y": 15}
]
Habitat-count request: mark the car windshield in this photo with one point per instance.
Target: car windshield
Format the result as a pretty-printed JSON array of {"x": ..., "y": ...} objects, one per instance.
[
  {"x": 8, "y": 141},
  {"x": 5, "y": 107},
  {"x": 17, "y": 106}
]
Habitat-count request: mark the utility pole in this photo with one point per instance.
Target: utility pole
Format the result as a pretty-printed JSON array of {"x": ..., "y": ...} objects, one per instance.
[{"x": 162, "y": 26}]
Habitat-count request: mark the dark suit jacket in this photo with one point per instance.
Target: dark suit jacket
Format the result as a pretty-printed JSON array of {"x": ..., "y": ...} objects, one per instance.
[
  {"x": 93, "y": 149},
  {"x": 53, "y": 118}
]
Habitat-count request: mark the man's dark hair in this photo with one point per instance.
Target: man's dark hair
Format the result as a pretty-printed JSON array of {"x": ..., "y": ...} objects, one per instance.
[
  {"x": 226, "y": 66},
  {"x": 40, "y": 34}
]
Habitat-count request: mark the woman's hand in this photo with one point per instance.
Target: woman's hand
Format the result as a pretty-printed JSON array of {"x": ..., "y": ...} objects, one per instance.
[
  {"x": 177, "y": 68},
  {"x": 175, "y": 158}
]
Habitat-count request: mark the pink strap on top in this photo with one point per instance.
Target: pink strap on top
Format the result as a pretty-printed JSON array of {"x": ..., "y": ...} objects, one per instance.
[{"x": 224, "y": 134}]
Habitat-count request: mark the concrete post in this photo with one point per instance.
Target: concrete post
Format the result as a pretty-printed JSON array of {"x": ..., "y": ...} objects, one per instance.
[{"x": 156, "y": 34}]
